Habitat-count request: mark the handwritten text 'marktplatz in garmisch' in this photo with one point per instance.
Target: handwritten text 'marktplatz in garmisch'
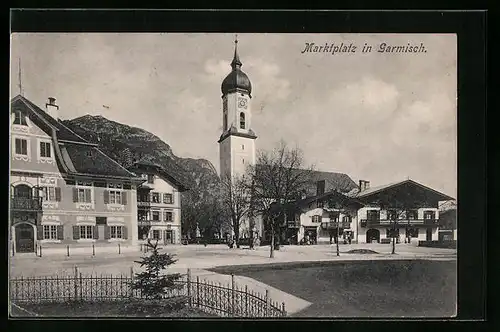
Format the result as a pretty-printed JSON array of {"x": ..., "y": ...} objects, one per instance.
[{"x": 336, "y": 48}]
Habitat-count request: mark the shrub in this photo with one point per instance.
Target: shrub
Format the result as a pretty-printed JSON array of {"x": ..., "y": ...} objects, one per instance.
[{"x": 152, "y": 283}]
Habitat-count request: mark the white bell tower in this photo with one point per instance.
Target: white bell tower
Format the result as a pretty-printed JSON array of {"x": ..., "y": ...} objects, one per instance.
[{"x": 237, "y": 141}]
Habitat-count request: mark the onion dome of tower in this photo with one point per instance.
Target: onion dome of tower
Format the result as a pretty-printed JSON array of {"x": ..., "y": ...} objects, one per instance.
[{"x": 237, "y": 80}]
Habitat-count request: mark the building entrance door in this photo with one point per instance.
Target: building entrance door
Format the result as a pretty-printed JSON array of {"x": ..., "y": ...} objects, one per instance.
[
  {"x": 168, "y": 237},
  {"x": 25, "y": 238},
  {"x": 428, "y": 234}
]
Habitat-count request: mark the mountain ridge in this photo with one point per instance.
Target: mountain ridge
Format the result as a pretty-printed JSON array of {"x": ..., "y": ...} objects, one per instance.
[{"x": 127, "y": 144}]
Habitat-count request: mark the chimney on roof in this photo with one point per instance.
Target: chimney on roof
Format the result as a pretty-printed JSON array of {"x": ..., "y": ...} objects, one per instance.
[
  {"x": 52, "y": 108},
  {"x": 363, "y": 185},
  {"x": 320, "y": 187}
]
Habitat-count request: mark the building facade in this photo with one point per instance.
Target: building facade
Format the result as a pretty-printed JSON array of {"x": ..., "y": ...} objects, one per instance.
[
  {"x": 158, "y": 204},
  {"x": 406, "y": 210},
  {"x": 64, "y": 190}
]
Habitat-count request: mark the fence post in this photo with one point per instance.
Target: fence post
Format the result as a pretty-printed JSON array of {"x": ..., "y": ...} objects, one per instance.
[
  {"x": 36, "y": 248},
  {"x": 267, "y": 303},
  {"x": 76, "y": 283},
  {"x": 233, "y": 295},
  {"x": 198, "y": 291},
  {"x": 13, "y": 249},
  {"x": 119, "y": 249},
  {"x": 40, "y": 250},
  {"x": 131, "y": 280},
  {"x": 81, "y": 287},
  {"x": 283, "y": 311},
  {"x": 190, "y": 302},
  {"x": 67, "y": 249},
  {"x": 93, "y": 250},
  {"x": 246, "y": 300}
]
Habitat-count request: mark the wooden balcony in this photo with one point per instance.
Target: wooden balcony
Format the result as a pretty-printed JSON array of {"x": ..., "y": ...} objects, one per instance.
[
  {"x": 334, "y": 225},
  {"x": 144, "y": 204},
  {"x": 26, "y": 204},
  {"x": 400, "y": 222}
]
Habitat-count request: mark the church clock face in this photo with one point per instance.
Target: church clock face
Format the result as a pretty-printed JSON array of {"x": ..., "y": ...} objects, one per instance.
[{"x": 242, "y": 102}]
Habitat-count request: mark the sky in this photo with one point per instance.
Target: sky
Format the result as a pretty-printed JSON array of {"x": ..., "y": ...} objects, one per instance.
[{"x": 381, "y": 117}]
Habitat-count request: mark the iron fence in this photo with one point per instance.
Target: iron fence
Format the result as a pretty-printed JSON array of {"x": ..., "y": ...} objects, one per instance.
[{"x": 214, "y": 298}]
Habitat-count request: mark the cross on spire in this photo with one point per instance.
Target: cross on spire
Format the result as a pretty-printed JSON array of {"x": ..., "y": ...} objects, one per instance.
[{"x": 236, "y": 63}]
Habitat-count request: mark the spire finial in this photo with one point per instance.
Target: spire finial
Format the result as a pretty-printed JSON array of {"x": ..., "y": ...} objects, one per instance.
[
  {"x": 20, "y": 84},
  {"x": 236, "y": 63}
]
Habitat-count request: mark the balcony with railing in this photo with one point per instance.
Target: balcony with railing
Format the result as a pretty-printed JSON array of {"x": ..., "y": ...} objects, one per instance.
[
  {"x": 399, "y": 222},
  {"x": 26, "y": 204},
  {"x": 335, "y": 224},
  {"x": 144, "y": 204}
]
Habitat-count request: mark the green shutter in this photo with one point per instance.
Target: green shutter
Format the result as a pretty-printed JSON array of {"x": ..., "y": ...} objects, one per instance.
[
  {"x": 106, "y": 196},
  {"x": 107, "y": 232},
  {"x": 124, "y": 197},
  {"x": 58, "y": 194},
  {"x": 60, "y": 232},
  {"x": 75, "y": 195},
  {"x": 124, "y": 233},
  {"x": 96, "y": 232},
  {"x": 39, "y": 232},
  {"x": 76, "y": 232}
]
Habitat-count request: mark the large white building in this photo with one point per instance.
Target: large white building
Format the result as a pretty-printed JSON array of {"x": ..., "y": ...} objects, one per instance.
[{"x": 158, "y": 204}]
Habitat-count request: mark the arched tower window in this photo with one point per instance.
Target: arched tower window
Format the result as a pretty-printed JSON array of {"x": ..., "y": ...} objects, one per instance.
[
  {"x": 225, "y": 121},
  {"x": 242, "y": 120}
]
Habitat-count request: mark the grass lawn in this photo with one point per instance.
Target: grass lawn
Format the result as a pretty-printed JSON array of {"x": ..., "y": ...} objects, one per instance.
[
  {"x": 379, "y": 288},
  {"x": 106, "y": 309}
]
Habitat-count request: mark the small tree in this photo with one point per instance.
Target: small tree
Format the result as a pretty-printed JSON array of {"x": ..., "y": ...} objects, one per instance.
[{"x": 152, "y": 283}]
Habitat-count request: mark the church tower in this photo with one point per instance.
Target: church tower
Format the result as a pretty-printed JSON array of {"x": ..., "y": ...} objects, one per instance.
[{"x": 237, "y": 141}]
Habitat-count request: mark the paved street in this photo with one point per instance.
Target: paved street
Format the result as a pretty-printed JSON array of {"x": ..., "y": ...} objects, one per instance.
[{"x": 199, "y": 258}]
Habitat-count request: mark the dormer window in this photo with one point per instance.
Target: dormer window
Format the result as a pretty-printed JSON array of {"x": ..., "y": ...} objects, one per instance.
[
  {"x": 19, "y": 118},
  {"x": 89, "y": 153},
  {"x": 242, "y": 120}
]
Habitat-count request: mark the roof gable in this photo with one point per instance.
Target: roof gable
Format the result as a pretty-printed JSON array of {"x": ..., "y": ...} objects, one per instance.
[
  {"x": 41, "y": 117},
  {"x": 403, "y": 192},
  {"x": 148, "y": 166}
]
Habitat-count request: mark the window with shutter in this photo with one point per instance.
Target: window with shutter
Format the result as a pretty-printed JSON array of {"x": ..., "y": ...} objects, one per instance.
[
  {"x": 96, "y": 233},
  {"x": 88, "y": 198},
  {"x": 39, "y": 232},
  {"x": 76, "y": 232},
  {"x": 106, "y": 196},
  {"x": 75, "y": 195},
  {"x": 125, "y": 233},
  {"x": 60, "y": 232},
  {"x": 107, "y": 232},
  {"x": 124, "y": 197},
  {"x": 58, "y": 194}
]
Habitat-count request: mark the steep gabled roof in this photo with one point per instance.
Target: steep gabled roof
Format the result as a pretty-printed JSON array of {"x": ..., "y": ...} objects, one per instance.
[
  {"x": 147, "y": 165},
  {"x": 375, "y": 190},
  {"x": 90, "y": 160},
  {"x": 63, "y": 132},
  {"x": 74, "y": 155},
  {"x": 333, "y": 180}
]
